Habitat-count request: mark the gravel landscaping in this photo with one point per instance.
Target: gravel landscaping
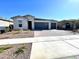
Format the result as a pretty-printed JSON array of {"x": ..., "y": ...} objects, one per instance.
[
  {"x": 15, "y": 51},
  {"x": 17, "y": 34},
  {"x": 41, "y": 33}
]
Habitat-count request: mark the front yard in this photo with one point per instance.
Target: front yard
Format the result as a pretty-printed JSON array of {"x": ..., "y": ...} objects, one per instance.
[
  {"x": 15, "y": 51},
  {"x": 17, "y": 34},
  {"x": 28, "y": 33}
]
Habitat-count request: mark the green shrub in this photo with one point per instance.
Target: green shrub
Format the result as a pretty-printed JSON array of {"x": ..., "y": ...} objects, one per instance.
[
  {"x": 6, "y": 29},
  {"x": 19, "y": 51}
]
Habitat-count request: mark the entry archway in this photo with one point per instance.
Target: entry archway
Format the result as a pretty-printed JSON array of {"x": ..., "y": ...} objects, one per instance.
[{"x": 68, "y": 26}]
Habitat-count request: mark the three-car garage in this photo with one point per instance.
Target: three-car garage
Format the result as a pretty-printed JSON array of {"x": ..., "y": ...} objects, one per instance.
[{"x": 44, "y": 25}]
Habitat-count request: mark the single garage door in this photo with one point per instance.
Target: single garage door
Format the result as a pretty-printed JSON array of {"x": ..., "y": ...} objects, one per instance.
[
  {"x": 41, "y": 25},
  {"x": 53, "y": 25}
]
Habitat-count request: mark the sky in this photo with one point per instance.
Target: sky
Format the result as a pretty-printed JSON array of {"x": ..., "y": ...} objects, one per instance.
[{"x": 48, "y": 9}]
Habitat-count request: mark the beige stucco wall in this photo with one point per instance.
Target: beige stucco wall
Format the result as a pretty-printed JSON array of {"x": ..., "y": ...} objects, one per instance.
[{"x": 24, "y": 23}]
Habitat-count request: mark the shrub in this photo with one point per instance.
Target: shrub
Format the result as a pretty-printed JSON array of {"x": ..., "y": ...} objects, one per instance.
[
  {"x": 19, "y": 51},
  {"x": 6, "y": 29}
]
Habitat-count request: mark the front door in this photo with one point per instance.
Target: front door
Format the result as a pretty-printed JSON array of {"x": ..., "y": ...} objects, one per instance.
[
  {"x": 30, "y": 25},
  {"x": 68, "y": 27}
]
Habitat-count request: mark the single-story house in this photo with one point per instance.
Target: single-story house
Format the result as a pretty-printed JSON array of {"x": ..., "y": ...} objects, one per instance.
[
  {"x": 68, "y": 24},
  {"x": 30, "y": 22}
]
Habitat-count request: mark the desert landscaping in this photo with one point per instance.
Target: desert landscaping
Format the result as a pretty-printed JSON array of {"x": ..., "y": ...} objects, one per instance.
[
  {"x": 17, "y": 34},
  {"x": 15, "y": 51},
  {"x": 41, "y": 33}
]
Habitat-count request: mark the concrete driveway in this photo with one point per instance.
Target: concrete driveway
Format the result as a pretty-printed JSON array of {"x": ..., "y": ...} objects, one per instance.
[
  {"x": 60, "y": 47},
  {"x": 52, "y": 33}
]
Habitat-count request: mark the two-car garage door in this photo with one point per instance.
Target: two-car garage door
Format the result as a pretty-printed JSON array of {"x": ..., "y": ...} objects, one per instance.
[
  {"x": 41, "y": 25},
  {"x": 44, "y": 25}
]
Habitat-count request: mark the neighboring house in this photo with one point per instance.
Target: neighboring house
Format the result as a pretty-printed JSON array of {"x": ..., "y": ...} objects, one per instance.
[
  {"x": 5, "y": 24},
  {"x": 30, "y": 22},
  {"x": 68, "y": 24}
]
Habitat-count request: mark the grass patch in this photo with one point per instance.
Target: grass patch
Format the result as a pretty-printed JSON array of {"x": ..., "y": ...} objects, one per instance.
[{"x": 2, "y": 49}]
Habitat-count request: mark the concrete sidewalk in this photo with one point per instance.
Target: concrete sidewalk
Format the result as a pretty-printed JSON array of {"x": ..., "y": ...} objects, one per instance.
[{"x": 58, "y": 47}]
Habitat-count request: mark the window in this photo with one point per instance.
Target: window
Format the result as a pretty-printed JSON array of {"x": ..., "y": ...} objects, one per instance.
[{"x": 20, "y": 25}]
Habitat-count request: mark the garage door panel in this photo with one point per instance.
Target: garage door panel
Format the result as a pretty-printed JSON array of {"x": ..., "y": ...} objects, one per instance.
[
  {"x": 53, "y": 25},
  {"x": 41, "y": 25}
]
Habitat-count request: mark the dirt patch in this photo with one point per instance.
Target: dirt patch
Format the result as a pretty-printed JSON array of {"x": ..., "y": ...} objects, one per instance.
[
  {"x": 17, "y": 34},
  {"x": 23, "y": 51}
]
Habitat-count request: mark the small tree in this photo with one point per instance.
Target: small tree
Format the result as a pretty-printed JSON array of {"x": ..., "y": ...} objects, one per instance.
[{"x": 6, "y": 29}]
